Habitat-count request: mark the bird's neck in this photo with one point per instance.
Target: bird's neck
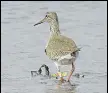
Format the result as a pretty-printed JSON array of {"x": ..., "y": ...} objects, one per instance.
[{"x": 54, "y": 27}]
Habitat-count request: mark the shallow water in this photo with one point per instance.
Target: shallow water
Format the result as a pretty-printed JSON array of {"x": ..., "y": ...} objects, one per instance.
[{"x": 22, "y": 45}]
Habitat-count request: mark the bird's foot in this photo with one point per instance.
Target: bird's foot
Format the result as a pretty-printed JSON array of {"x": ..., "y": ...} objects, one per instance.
[
  {"x": 62, "y": 80},
  {"x": 67, "y": 80}
]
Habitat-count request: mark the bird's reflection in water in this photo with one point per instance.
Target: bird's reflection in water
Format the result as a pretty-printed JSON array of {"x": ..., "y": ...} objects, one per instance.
[{"x": 65, "y": 87}]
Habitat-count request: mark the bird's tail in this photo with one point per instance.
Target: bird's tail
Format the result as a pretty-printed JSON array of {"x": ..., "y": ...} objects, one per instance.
[{"x": 78, "y": 49}]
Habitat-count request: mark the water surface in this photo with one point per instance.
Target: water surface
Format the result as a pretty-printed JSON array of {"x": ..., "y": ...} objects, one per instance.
[{"x": 22, "y": 45}]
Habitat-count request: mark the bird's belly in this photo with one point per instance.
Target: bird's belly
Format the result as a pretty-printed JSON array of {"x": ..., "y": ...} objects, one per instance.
[
  {"x": 67, "y": 59},
  {"x": 65, "y": 62}
]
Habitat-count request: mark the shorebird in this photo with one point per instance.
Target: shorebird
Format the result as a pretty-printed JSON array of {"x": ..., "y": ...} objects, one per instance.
[{"x": 59, "y": 48}]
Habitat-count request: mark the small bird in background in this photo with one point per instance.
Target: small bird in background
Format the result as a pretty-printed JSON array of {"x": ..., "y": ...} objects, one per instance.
[{"x": 59, "y": 48}]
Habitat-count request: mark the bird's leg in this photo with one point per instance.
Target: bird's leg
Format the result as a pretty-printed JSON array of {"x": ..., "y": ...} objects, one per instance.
[
  {"x": 60, "y": 75},
  {"x": 58, "y": 69},
  {"x": 71, "y": 72}
]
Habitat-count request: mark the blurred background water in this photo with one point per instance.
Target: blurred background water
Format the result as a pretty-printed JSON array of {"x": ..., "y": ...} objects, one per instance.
[{"x": 22, "y": 45}]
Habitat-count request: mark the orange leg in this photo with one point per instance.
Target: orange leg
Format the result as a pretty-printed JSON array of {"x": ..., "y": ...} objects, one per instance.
[{"x": 71, "y": 72}]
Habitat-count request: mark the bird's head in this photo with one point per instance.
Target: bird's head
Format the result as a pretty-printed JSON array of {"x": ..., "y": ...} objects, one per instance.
[{"x": 49, "y": 17}]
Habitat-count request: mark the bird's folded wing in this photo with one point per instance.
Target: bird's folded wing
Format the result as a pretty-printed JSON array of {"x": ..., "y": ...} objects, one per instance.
[{"x": 59, "y": 46}]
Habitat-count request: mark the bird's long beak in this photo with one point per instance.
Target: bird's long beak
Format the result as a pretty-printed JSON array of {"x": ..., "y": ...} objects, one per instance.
[{"x": 41, "y": 21}]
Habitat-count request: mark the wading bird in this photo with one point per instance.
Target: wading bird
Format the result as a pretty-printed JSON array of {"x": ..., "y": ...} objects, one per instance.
[{"x": 59, "y": 48}]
